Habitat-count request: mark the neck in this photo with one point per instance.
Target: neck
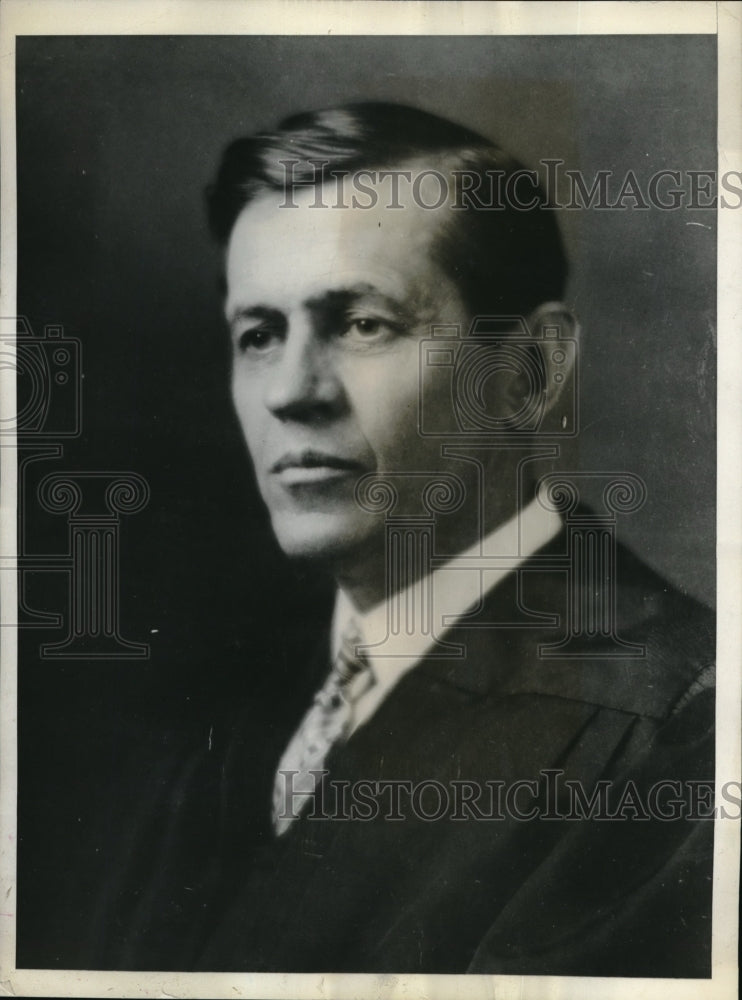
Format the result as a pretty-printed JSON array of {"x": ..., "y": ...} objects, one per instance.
[{"x": 366, "y": 579}]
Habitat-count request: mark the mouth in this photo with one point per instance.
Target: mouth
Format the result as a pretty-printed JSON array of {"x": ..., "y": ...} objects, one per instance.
[{"x": 308, "y": 467}]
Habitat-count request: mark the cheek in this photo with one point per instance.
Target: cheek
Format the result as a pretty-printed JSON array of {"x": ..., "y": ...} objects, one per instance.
[
  {"x": 385, "y": 401},
  {"x": 247, "y": 408}
]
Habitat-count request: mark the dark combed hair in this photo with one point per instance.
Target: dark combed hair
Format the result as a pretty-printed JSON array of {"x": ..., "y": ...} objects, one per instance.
[{"x": 505, "y": 260}]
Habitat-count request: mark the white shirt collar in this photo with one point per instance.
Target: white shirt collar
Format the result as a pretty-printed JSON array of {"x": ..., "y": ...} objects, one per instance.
[{"x": 456, "y": 586}]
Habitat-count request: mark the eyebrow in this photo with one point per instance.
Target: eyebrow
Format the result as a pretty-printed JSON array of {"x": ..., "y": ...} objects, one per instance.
[
  {"x": 332, "y": 300},
  {"x": 254, "y": 312}
]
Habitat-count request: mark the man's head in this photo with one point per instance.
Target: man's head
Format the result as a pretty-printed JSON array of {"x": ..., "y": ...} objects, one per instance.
[{"x": 348, "y": 235}]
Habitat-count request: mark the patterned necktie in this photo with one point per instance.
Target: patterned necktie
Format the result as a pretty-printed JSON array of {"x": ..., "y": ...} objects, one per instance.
[{"x": 328, "y": 721}]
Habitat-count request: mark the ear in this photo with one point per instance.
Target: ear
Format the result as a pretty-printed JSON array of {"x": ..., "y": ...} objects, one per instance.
[
  {"x": 557, "y": 332},
  {"x": 528, "y": 392}
]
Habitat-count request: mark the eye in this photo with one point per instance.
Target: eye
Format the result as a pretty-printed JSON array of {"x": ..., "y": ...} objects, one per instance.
[
  {"x": 369, "y": 328},
  {"x": 366, "y": 327},
  {"x": 257, "y": 339}
]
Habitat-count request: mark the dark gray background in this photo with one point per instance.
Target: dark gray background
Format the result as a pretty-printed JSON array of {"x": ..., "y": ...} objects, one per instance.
[{"x": 117, "y": 138}]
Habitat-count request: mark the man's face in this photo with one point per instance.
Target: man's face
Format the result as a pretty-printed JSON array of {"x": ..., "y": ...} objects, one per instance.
[{"x": 327, "y": 307}]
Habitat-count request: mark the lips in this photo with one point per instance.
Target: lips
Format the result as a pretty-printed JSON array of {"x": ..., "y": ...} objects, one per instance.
[{"x": 309, "y": 466}]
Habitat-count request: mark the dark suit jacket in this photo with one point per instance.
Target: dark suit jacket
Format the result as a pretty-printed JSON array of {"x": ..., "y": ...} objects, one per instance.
[{"x": 200, "y": 881}]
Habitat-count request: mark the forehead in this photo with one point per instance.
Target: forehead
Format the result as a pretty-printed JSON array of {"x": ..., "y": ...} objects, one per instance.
[{"x": 322, "y": 234}]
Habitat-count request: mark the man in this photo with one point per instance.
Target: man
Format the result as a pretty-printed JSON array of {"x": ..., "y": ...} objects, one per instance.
[{"x": 487, "y": 769}]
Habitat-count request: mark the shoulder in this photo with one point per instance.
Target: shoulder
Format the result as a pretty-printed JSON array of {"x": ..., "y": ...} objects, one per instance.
[{"x": 622, "y": 639}]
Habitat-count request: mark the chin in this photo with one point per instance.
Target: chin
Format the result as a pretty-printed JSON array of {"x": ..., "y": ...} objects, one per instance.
[{"x": 326, "y": 538}]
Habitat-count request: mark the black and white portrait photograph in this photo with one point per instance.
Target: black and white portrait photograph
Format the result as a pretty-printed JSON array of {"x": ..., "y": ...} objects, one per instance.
[{"x": 371, "y": 460}]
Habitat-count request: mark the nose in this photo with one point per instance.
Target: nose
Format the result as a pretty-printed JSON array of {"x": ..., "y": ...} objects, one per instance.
[{"x": 302, "y": 383}]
